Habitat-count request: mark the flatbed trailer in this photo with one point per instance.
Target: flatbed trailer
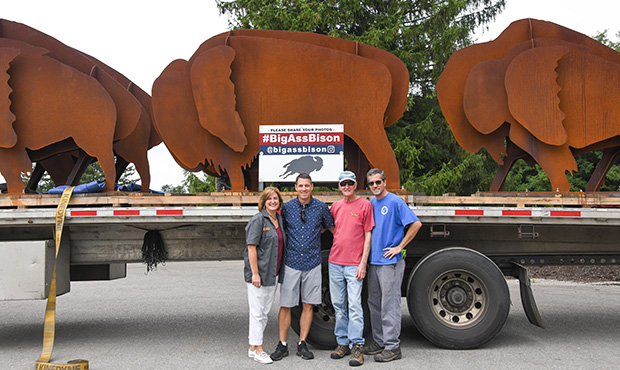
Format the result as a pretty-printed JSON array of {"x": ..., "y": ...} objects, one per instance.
[{"x": 456, "y": 266}]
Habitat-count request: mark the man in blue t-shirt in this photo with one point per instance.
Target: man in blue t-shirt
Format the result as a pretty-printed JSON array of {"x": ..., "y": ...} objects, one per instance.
[
  {"x": 305, "y": 218},
  {"x": 387, "y": 266}
]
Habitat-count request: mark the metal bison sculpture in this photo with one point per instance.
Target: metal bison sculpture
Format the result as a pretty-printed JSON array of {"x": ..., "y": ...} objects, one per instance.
[
  {"x": 547, "y": 91},
  {"x": 207, "y": 110},
  {"x": 63, "y": 109}
]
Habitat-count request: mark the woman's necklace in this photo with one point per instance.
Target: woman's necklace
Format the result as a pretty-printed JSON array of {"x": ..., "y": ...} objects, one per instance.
[{"x": 274, "y": 220}]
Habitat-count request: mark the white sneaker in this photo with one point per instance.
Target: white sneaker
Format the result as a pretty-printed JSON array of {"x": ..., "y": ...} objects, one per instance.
[
  {"x": 251, "y": 353},
  {"x": 263, "y": 358}
]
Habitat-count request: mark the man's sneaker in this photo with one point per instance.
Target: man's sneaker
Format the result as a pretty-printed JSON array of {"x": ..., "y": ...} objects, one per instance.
[
  {"x": 373, "y": 349},
  {"x": 357, "y": 355},
  {"x": 388, "y": 355},
  {"x": 303, "y": 351},
  {"x": 340, "y": 352},
  {"x": 263, "y": 358},
  {"x": 280, "y": 352},
  {"x": 251, "y": 353}
]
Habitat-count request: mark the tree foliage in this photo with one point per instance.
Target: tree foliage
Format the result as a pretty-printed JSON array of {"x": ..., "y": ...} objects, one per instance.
[
  {"x": 423, "y": 34},
  {"x": 192, "y": 183}
]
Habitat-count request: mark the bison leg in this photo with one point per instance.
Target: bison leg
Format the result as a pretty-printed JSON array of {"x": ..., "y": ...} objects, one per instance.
[
  {"x": 610, "y": 156},
  {"x": 237, "y": 179},
  {"x": 13, "y": 162},
  {"x": 141, "y": 162},
  {"x": 378, "y": 151},
  {"x": 109, "y": 170},
  {"x": 554, "y": 160}
]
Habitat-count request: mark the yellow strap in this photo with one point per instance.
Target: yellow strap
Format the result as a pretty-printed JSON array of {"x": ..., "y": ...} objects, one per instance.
[
  {"x": 71, "y": 365},
  {"x": 50, "y": 311}
]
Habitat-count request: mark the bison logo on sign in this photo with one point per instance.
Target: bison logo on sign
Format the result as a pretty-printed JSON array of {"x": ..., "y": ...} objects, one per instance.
[{"x": 305, "y": 164}]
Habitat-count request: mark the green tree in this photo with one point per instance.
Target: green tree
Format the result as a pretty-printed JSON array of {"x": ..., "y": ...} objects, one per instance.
[
  {"x": 192, "y": 183},
  {"x": 198, "y": 182},
  {"x": 169, "y": 188},
  {"x": 423, "y": 34}
]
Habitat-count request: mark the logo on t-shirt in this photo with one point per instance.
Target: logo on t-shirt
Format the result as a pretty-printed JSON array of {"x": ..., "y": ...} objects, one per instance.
[
  {"x": 384, "y": 210},
  {"x": 354, "y": 214}
]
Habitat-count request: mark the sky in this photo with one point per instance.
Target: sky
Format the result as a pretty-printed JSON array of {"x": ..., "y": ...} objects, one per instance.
[{"x": 140, "y": 38}]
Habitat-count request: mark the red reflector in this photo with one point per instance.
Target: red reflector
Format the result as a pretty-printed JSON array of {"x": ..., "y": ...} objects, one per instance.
[
  {"x": 83, "y": 213},
  {"x": 516, "y": 213},
  {"x": 468, "y": 212},
  {"x": 566, "y": 213},
  {"x": 133, "y": 212},
  {"x": 169, "y": 212}
]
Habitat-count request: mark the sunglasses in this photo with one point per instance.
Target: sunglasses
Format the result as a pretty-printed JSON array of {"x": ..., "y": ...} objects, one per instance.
[
  {"x": 372, "y": 183},
  {"x": 303, "y": 214},
  {"x": 347, "y": 183}
]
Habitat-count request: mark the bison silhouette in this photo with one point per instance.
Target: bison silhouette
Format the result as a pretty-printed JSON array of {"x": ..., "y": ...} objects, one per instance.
[
  {"x": 207, "y": 109},
  {"x": 305, "y": 164},
  {"x": 548, "y": 92},
  {"x": 56, "y": 101}
]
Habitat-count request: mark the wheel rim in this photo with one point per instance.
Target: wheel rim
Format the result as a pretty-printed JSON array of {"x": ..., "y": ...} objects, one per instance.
[{"x": 458, "y": 298}]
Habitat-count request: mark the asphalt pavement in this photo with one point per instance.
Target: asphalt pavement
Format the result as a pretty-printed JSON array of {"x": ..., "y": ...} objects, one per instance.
[{"x": 194, "y": 315}]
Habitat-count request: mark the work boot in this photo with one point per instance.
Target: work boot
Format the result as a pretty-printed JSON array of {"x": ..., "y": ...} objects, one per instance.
[
  {"x": 389, "y": 355},
  {"x": 340, "y": 352},
  {"x": 357, "y": 355},
  {"x": 303, "y": 351},
  {"x": 373, "y": 349},
  {"x": 280, "y": 352}
]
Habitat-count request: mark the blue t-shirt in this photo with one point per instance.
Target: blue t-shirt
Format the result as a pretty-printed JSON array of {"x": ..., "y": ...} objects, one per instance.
[
  {"x": 392, "y": 215},
  {"x": 303, "y": 239}
]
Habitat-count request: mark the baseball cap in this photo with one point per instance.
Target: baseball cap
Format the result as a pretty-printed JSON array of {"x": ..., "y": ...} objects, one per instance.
[{"x": 346, "y": 175}]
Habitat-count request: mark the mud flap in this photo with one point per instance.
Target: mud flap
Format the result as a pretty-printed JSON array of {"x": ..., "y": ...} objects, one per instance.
[{"x": 527, "y": 297}]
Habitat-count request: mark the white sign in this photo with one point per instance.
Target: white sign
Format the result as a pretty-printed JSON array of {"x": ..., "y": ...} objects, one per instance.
[{"x": 288, "y": 150}]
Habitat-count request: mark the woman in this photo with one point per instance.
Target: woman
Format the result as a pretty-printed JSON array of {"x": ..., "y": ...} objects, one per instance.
[{"x": 263, "y": 258}]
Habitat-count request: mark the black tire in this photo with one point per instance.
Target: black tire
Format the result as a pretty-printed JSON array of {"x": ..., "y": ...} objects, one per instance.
[
  {"x": 458, "y": 298},
  {"x": 321, "y": 333}
]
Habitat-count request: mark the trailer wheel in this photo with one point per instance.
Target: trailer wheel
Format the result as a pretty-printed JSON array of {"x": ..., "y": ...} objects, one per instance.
[
  {"x": 321, "y": 333},
  {"x": 458, "y": 298}
]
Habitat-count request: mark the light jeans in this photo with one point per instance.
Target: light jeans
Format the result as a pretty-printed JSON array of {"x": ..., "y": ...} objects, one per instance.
[
  {"x": 260, "y": 301},
  {"x": 345, "y": 291}
]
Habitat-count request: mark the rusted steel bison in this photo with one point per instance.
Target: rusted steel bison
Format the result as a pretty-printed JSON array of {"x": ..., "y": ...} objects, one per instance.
[
  {"x": 62, "y": 108},
  {"x": 550, "y": 91},
  {"x": 207, "y": 110}
]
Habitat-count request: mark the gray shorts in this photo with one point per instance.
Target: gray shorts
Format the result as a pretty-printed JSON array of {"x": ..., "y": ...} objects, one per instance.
[{"x": 310, "y": 282}]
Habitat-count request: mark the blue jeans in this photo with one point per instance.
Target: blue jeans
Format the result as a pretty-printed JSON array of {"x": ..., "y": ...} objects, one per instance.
[{"x": 345, "y": 291}]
